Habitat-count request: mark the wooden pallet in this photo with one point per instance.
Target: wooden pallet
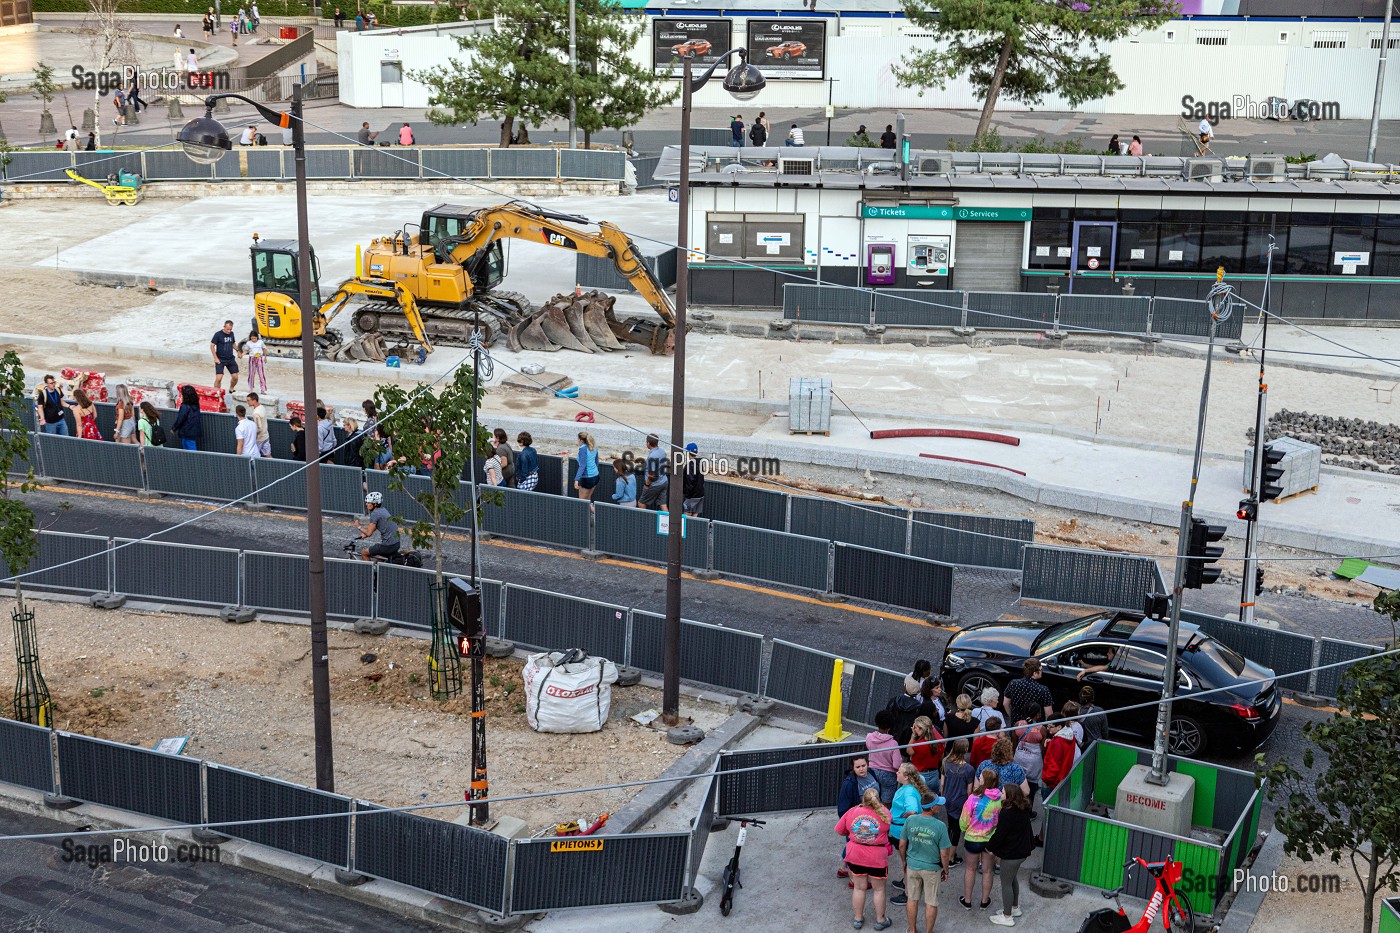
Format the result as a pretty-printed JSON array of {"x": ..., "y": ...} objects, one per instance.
[
  {"x": 812, "y": 433},
  {"x": 1294, "y": 495}
]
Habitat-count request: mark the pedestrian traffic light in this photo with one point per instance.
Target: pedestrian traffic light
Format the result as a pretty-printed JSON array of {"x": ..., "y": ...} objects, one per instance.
[
  {"x": 1200, "y": 553},
  {"x": 1271, "y": 485},
  {"x": 464, "y": 607},
  {"x": 1156, "y": 605},
  {"x": 1258, "y": 580},
  {"x": 1247, "y": 511}
]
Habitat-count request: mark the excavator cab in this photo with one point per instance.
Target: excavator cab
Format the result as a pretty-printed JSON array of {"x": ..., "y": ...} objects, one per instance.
[
  {"x": 487, "y": 267},
  {"x": 276, "y": 290}
]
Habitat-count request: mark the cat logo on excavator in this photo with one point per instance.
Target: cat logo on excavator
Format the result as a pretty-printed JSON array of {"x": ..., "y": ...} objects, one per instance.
[{"x": 554, "y": 238}]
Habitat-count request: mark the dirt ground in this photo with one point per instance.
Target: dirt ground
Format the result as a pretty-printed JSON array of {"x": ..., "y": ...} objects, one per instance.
[
  {"x": 242, "y": 693},
  {"x": 1302, "y": 910}
]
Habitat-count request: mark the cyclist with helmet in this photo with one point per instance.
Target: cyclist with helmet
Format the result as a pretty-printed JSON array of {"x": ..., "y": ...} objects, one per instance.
[{"x": 381, "y": 521}]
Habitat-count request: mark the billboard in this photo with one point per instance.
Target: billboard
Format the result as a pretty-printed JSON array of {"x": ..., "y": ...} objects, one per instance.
[
  {"x": 788, "y": 48},
  {"x": 671, "y": 38}
]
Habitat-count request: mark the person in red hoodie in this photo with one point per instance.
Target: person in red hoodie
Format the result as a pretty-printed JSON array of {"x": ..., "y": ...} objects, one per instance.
[
  {"x": 1059, "y": 760},
  {"x": 982, "y": 745}
]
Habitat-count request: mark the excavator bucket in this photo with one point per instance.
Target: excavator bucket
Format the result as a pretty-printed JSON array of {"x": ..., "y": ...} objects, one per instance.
[
  {"x": 366, "y": 348},
  {"x": 573, "y": 314},
  {"x": 556, "y": 328},
  {"x": 595, "y": 319},
  {"x": 532, "y": 336}
]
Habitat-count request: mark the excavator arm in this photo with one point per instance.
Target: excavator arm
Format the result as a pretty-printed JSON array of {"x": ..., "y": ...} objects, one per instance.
[
  {"x": 378, "y": 290},
  {"x": 521, "y": 221}
]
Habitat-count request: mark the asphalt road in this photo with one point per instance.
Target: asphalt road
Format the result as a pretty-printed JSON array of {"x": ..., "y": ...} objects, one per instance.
[
  {"x": 862, "y": 632},
  {"x": 40, "y": 891}
]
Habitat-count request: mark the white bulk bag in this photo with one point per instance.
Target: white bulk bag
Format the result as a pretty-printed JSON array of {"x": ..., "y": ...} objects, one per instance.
[{"x": 567, "y": 691}]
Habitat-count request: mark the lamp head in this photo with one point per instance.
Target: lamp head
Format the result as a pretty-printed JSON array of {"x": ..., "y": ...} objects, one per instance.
[
  {"x": 744, "y": 81},
  {"x": 204, "y": 139}
]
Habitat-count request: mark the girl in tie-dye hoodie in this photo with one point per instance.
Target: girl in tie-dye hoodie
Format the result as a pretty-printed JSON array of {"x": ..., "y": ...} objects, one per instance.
[{"x": 979, "y": 821}]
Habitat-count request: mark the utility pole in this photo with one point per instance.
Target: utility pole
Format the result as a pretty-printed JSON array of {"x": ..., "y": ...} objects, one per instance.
[
  {"x": 830, "y": 108},
  {"x": 1380, "y": 85},
  {"x": 573, "y": 78},
  {"x": 1251, "y": 544},
  {"x": 1219, "y": 304}
]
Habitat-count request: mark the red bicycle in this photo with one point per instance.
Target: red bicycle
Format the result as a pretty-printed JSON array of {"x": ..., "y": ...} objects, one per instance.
[{"x": 1166, "y": 910}]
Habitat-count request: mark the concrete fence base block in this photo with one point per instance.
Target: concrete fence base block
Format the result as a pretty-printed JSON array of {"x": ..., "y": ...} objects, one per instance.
[
  {"x": 351, "y": 879},
  {"x": 756, "y": 706},
  {"x": 685, "y": 735},
  {"x": 497, "y": 922},
  {"x": 147, "y": 494},
  {"x": 705, "y": 574},
  {"x": 371, "y": 626},
  {"x": 1052, "y": 888},
  {"x": 586, "y": 554},
  {"x": 690, "y": 903},
  {"x": 60, "y": 802},
  {"x": 208, "y": 837},
  {"x": 831, "y": 597},
  {"x": 964, "y": 331},
  {"x": 237, "y": 615},
  {"x": 874, "y": 330},
  {"x": 938, "y": 619},
  {"x": 628, "y": 676},
  {"x": 257, "y": 507},
  {"x": 719, "y": 825},
  {"x": 1313, "y": 702},
  {"x": 780, "y": 325},
  {"x": 1097, "y": 809},
  {"x": 106, "y": 600},
  {"x": 499, "y": 648}
]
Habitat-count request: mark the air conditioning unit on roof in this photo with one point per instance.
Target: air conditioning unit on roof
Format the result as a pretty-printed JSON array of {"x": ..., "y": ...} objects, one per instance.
[
  {"x": 1267, "y": 168},
  {"x": 935, "y": 165},
  {"x": 797, "y": 166},
  {"x": 1203, "y": 169}
]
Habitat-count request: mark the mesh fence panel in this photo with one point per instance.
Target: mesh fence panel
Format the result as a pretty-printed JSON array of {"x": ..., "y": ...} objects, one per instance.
[
  {"x": 1332, "y": 651},
  {"x": 458, "y": 862},
  {"x": 700, "y": 827},
  {"x": 1010, "y": 310},
  {"x": 455, "y": 163},
  {"x": 601, "y": 164},
  {"x": 279, "y": 582},
  {"x": 1087, "y": 578},
  {"x": 872, "y": 688},
  {"x": 83, "y": 461},
  {"x": 281, "y": 483},
  {"x": 631, "y": 532},
  {"x": 1120, "y": 314},
  {"x": 78, "y": 562},
  {"x": 555, "y": 623},
  {"x": 38, "y": 166},
  {"x": 98, "y": 165},
  {"x": 197, "y": 475},
  {"x": 1283, "y": 652},
  {"x": 893, "y": 578},
  {"x": 176, "y": 166},
  {"x": 971, "y": 540},
  {"x": 537, "y": 516},
  {"x": 328, "y": 163},
  {"x": 553, "y": 874},
  {"x": 396, "y": 162},
  {"x": 771, "y": 555},
  {"x": 239, "y": 795},
  {"x": 745, "y": 505},
  {"x": 524, "y": 163},
  {"x": 710, "y": 654},
  {"x": 27, "y": 759},
  {"x": 129, "y": 778},
  {"x": 1186, "y": 318},
  {"x": 799, "y": 676},
  {"x": 176, "y": 572},
  {"x": 881, "y": 527},
  {"x": 911, "y": 307},
  {"x": 826, "y": 304},
  {"x": 260, "y": 163},
  {"x": 809, "y": 786}
]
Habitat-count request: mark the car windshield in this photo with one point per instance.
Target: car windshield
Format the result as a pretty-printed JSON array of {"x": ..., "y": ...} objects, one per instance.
[
  {"x": 1064, "y": 633},
  {"x": 1223, "y": 657}
]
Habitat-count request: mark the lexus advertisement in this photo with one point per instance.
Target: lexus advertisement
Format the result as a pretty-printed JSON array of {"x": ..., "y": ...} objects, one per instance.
[
  {"x": 674, "y": 39},
  {"x": 787, "y": 48}
]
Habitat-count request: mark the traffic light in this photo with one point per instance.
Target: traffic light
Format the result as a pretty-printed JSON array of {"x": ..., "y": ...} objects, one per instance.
[
  {"x": 1271, "y": 483},
  {"x": 1200, "y": 553},
  {"x": 464, "y": 608},
  {"x": 1156, "y": 605},
  {"x": 1248, "y": 510},
  {"x": 1258, "y": 580}
]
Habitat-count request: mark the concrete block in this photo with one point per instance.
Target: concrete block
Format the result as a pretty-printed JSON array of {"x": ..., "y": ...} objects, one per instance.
[
  {"x": 208, "y": 837},
  {"x": 685, "y": 735},
  {"x": 146, "y": 494},
  {"x": 831, "y": 597},
  {"x": 1052, "y": 888},
  {"x": 499, "y": 648},
  {"x": 106, "y": 600},
  {"x": 237, "y": 615},
  {"x": 628, "y": 676},
  {"x": 371, "y": 626},
  {"x": 59, "y": 802},
  {"x": 256, "y": 507},
  {"x": 1161, "y": 809},
  {"x": 691, "y": 902},
  {"x": 756, "y": 705},
  {"x": 351, "y": 879}
]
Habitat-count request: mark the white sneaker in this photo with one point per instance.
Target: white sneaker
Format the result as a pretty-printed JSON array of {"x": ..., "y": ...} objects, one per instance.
[
  {"x": 1002, "y": 920},
  {"x": 1015, "y": 911}
]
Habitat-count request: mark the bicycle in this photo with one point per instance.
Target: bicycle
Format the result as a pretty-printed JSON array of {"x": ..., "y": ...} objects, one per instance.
[
  {"x": 1175, "y": 911},
  {"x": 731, "y": 871}
]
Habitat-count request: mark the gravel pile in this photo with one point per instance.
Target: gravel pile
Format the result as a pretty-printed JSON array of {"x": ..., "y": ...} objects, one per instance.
[{"x": 1346, "y": 442}]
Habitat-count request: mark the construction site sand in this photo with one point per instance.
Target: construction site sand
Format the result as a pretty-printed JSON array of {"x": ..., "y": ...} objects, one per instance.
[{"x": 243, "y": 695}]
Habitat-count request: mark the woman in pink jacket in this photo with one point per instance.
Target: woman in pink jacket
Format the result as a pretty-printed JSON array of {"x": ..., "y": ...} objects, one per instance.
[{"x": 867, "y": 831}]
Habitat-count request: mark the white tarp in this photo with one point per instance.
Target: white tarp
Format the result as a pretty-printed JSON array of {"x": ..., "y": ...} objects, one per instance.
[{"x": 567, "y": 691}]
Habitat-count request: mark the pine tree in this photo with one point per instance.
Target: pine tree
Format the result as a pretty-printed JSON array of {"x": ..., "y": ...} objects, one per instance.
[
  {"x": 1026, "y": 49},
  {"x": 613, "y": 91},
  {"x": 512, "y": 73}
]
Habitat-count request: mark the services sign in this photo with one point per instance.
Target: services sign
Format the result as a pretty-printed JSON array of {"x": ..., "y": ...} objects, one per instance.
[
  {"x": 788, "y": 48},
  {"x": 945, "y": 212},
  {"x": 673, "y": 38}
]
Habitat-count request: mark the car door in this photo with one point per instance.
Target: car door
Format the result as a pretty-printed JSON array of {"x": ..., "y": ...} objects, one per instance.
[
  {"x": 1060, "y": 671},
  {"x": 1137, "y": 679}
]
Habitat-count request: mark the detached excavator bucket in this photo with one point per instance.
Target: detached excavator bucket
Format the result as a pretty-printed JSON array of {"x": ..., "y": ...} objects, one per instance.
[
  {"x": 652, "y": 334},
  {"x": 366, "y": 348},
  {"x": 573, "y": 314},
  {"x": 529, "y": 335},
  {"x": 556, "y": 328},
  {"x": 595, "y": 319}
]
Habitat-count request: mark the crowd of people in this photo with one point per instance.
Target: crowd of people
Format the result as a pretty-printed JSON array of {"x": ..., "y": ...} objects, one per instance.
[{"x": 938, "y": 779}]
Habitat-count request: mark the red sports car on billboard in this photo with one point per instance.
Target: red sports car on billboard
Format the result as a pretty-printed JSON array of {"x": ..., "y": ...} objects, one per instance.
[
  {"x": 787, "y": 50},
  {"x": 693, "y": 47}
]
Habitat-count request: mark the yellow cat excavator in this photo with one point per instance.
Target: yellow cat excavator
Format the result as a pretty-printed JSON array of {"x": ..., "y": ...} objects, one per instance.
[{"x": 439, "y": 284}]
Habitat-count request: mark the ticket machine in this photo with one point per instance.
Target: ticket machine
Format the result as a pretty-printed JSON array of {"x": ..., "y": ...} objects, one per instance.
[
  {"x": 929, "y": 255},
  {"x": 879, "y": 264}
]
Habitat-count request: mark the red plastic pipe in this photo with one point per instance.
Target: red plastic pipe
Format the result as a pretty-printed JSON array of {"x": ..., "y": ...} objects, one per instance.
[
  {"x": 947, "y": 432},
  {"x": 997, "y": 466}
]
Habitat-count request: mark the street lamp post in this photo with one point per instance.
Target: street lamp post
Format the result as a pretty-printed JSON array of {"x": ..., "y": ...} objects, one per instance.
[
  {"x": 205, "y": 140},
  {"x": 744, "y": 82}
]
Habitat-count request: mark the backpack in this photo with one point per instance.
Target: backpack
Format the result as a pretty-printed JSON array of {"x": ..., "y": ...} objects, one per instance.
[{"x": 157, "y": 434}]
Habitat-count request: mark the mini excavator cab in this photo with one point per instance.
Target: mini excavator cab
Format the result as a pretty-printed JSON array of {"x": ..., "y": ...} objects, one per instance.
[
  {"x": 487, "y": 268},
  {"x": 276, "y": 291}
]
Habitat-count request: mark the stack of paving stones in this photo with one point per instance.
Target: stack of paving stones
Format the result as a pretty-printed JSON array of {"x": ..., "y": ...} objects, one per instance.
[{"x": 1346, "y": 442}]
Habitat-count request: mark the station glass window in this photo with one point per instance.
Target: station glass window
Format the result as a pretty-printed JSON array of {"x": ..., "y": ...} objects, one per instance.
[
  {"x": 1135, "y": 238},
  {"x": 1386, "y": 260},
  {"x": 1179, "y": 248},
  {"x": 1308, "y": 250},
  {"x": 1054, "y": 238},
  {"x": 1222, "y": 245}
]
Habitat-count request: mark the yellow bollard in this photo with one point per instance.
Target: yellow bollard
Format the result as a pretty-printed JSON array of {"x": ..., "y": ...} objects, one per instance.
[
  {"x": 359, "y": 263},
  {"x": 832, "y": 731}
]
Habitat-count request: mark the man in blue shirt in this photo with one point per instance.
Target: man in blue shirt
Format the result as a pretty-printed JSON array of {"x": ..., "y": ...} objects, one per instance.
[{"x": 222, "y": 347}]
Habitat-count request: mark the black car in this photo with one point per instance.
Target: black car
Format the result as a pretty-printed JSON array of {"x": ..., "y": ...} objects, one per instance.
[{"x": 1132, "y": 652}]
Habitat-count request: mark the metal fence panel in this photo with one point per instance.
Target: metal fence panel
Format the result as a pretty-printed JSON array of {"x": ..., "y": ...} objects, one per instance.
[
  {"x": 23, "y": 463},
  {"x": 278, "y": 582},
  {"x": 328, "y": 163},
  {"x": 556, "y": 623},
  {"x": 882, "y": 527},
  {"x": 895, "y": 579},
  {"x": 262, "y": 162},
  {"x": 342, "y": 488},
  {"x": 176, "y": 572},
  {"x": 710, "y": 654},
  {"x": 646, "y": 171},
  {"x": 1010, "y": 310},
  {"x": 95, "y": 462},
  {"x": 780, "y": 786},
  {"x": 1119, "y": 314},
  {"x": 606, "y": 478},
  {"x": 631, "y": 532},
  {"x": 1332, "y": 651},
  {"x": 1283, "y": 652},
  {"x": 826, "y": 304},
  {"x": 98, "y": 165},
  {"x": 239, "y": 795},
  {"x": 872, "y": 688},
  {"x": 1087, "y": 578},
  {"x": 459, "y": 862},
  {"x": 551, "y": 474},
  {"x": 399, "y": 502},
  {"x": 387, "y": 162},
  {"x": 174, "y": 165},
  {"x": 600, "y": 164},
  {"x": 746, "y": 505},
  {"x": 971, "y": 540},
  {"x": 197, "y": 475},
  {"x": 129, "y": 778},
  {"x": 915, "y": 307},
  {"x": 405, "y": 598},
  {"x": 1186, "y": 318},
  {"x": 537, "y": 516},
  {"x": 770, "y": 555},
  {"x": 524, "y": 163},
  {"x": 27, "y": 759},
  {"x": 454, "y": 163},
  {"x": 799, "y": 676},
  {"x": 217, "y": 432},
  {"x": 700, "y": 828},
  {"x": 38, "y": 166},
  {"x": 79, "y": 563},
  {"x": 554, "y": 874}
]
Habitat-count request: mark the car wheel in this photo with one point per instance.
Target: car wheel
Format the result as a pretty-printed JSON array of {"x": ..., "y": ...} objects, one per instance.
[
  {"x": 1186, "y": 739},
  {"x": 974, "y": 682}
]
